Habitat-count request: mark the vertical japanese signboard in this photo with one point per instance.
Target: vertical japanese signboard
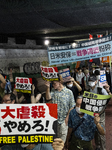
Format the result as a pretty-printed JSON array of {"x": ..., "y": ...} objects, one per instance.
[
  {"x": 23, "y": 84},
  {"x": 102, "y": 78},
  {"x": 94, "y": 103},
  {"x": 28, "y": 123}
]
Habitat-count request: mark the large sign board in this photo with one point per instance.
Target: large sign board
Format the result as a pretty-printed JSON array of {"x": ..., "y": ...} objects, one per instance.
[
  {"x": 94, "y": 103},
  {"x": 84, "y": 51},
  {"x": 28, "y": 123}
]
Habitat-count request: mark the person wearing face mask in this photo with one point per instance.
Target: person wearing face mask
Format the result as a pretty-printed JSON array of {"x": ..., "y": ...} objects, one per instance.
[
  {"x": 82, "y": 127},
  {"x": 100, "y": 141},
  {"x": 74, "y": 87}
]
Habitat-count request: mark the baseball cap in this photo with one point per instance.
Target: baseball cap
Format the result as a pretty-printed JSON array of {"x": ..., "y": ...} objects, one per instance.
[{"x": 92, "y": 78}]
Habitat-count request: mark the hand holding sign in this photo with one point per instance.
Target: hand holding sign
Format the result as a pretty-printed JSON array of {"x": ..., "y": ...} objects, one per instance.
[
  {"x": 96, "y": 119},
  {"x": 58, "y": 144},
  {"x": 47, "y": 83}
]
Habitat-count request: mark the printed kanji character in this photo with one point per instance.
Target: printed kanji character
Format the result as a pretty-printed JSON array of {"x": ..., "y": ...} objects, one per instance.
[
  {"x": 95, "y": 96},
  {"x": 37, "y": 124},
  {"x": 21, "y": 80},
  {"x": 90, "y": 51},
  {"x": 23, "y": 126},
  {"x": 23, "y": 112},
  {"x": 52, "y": 56},
  {"x": 8, "y": 112},
  {"x": 79, "y": 53},
  {"x": 38, "y": 112},
  {"x": 58, "y": 55},
  {"x": 68, "y": 54},
  {"x": 86, "y": 94},
  {"x": 84, "y": 52},
  {"x": 17, "y": 79},
  {"x": 63, "y": 55},
  {"x": 25, "y": 80},
  {"x": 13, "y": 125}
]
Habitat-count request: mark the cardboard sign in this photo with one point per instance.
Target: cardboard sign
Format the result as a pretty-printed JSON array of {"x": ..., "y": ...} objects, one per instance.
[
  {"x": 49, "y": 73},
  {"x": 23, "y": 84},
  {"x": 102, "y": 78},
  {"x": 28, "y": 123},
  {"x": 65, "y": 74},
  {"x": 94, "y": 103}
]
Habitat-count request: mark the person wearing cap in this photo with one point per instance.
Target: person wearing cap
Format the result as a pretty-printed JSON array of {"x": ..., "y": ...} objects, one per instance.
[
  {"x": 81, "y": 128},
  {"x": 64, "y": 98},
  {"x": 74, "y": 87},
  {"x": 100, "y": 141}
]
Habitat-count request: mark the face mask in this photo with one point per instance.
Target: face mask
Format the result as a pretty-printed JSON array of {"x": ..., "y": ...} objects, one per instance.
[
  {"x": 78, "y": 110},
  {"x": 91, "y": 84},
  {"x": 70, "y": 85},
  {"x": 107, "y": 71},
  {"x": 98, "y": 77},
  {"x": 93, "y": 71}
]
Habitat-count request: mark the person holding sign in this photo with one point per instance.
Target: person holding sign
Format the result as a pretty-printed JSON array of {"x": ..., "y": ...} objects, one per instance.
[
  {"x": 64, "y": 98},
  {"x": 75, "y": 89},
  {"x": 94, "y": 88},
  {"x": 81, "y": 128}
]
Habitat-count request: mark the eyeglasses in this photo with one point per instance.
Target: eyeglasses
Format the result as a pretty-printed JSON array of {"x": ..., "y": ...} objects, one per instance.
[{"x": 5, "y": 100}]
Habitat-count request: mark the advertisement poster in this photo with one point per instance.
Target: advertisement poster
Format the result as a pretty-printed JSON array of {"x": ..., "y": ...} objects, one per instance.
[
  {"x": 28, "y": 123},
  {"x": 49, "y": 73},
  {"x": 23, "y": 84},
  {"x": 94, "y": 103}
]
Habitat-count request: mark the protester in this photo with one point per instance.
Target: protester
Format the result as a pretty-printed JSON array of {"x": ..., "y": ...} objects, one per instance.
[
  {"x": 65, "y": 100},
  {"x": 79, "y": 76},
  {"x": 2, "y": 87},
  {"x": 108, "y": 77},
  {"x": 82, "y": 128},
  {"x": 86, "y": 77},
  {"x": 74, "y": 87},
  {"x": 100, "y": 141}
]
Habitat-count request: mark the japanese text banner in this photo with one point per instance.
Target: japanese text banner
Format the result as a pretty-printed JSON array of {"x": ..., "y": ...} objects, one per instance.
[
  {"x": 67, "y": 54},
  {"x": 28, "y": 123},
  {"x": 94, "y": 103}
]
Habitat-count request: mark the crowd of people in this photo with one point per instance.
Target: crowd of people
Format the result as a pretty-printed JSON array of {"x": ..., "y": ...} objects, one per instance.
[{"x": 75, "y": 130}]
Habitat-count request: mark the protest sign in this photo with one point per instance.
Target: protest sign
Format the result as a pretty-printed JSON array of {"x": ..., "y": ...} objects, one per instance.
[
  {"x": 65, "y": 74},
  {"x": 49, "y": 73},
  {"x": 102, "y": 78},
  {"x": 83, "y": 51},
  {"x": 28, "y": 123},
  {"x": 23, "y": 84},
  {"x": 94, "y": 103}
]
